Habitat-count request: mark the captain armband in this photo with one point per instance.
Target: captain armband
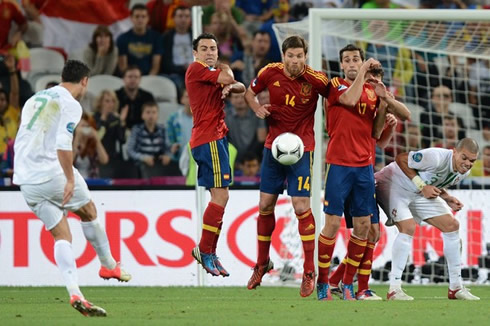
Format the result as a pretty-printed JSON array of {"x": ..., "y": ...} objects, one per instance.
[{"x": 418, "y": 182}]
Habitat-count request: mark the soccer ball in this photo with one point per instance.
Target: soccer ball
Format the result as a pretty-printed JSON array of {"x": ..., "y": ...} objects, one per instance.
[{"x": 287, "y": 148}]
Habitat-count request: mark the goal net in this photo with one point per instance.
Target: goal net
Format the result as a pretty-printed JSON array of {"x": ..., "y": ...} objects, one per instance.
[{"x": 437, "y": 63}]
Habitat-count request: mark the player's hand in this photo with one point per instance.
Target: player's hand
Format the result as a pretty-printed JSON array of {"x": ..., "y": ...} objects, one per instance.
[
  {"x": 175, "y": 148},
  {"x": 379, "y": 88},
  {"x": 391, "y": 120},
  {"x": 68, "y": 192},
  {"x": 454, "y": 203},
  {"x": 263, "y": 112},
  {"x": 368, "y": 64},
  {"x": 165, "y": 159},
  {"x": 226, "y": 91},
  {"x": 430, "y": 192},
  {"x": 123, "y": 115},
  {"x": 148, "y": 160}
]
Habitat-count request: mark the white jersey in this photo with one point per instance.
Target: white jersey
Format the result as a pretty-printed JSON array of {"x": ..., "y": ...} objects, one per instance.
[
  {"x": 48, "y": 120},
  {"x": 433, "y": 165}
]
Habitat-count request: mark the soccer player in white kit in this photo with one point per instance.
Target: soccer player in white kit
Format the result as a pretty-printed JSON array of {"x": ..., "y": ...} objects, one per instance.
[
  {"x": 412, "y": 190},
  {"x": 51, "y": 186}
]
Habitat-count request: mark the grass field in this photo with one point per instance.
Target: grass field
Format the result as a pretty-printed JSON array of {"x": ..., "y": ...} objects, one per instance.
[{"x": 237, "y": 306}]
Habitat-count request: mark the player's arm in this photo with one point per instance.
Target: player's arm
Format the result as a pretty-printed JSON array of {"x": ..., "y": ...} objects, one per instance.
[
  {"x": 379, "y": 121},
  {"x": 388, "y": 131},
  {"x": 261, "y": 111},
  {"x": 352, "y": 95},
  {"x": 236, "y": 87},
  {"x": 66, "y": 161},
  {"x": 226, "y": 76},
  {"x": 396, "y": 107},
  {"x": 427, "y": 190}
]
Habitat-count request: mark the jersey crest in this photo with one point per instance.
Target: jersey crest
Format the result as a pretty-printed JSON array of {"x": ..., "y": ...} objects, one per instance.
[
  {"x": 306, "y": 89},
  {"x": 371, "y": 95},
  {"x": 417, "y": 157}
]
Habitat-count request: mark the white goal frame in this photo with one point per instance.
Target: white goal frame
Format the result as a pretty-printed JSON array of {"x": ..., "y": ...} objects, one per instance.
[{"x": 315, "y": 17}]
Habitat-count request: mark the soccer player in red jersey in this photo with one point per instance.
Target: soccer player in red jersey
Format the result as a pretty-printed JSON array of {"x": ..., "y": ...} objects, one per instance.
[
  {"x": 352, "y": 106},
  {"x": 394, "y": 109},
  {"x": 294, "y": 88},
  {"x": 208, "y": 83}
]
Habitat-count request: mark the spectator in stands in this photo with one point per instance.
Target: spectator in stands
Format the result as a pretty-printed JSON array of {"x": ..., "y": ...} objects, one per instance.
[
  {"x": 479, "y": 81},
  {"x": 414, "y": 138},
  {"x": 254, "y": 58},
  {"x": 31, "y": 8},
  {"x": 111, "y": 126},
  {"x": 179, "y": 127},
  {"x": 280, "y": 15},
  {"x": 247, "y": 132},
  {"x": 449, "y": 132},
  {"x": 147, "y": 146},
  {"x": 177, "y": 43},
  {"x": 9, "y": 106},
  {"x": 249, "y": 165},
  {"x": 101, "y": 55},
  {"x": 132, "y": 96},
  {"x": 88, "y": 151},
  {"x": 230, "y": 35},
  {"x": 10, "y": 12},
  {"x": 7, "y": 164},
  {"x": 481, "y": 168},
  {"x": 51, "y": 84},
  {"x": 255, "y": 13},
  {"x": 140, "y": 45},
  {"x": 162, "y": 12},
  {"x": 223, "y": 6},
  {"x": 432, "y": 120}
]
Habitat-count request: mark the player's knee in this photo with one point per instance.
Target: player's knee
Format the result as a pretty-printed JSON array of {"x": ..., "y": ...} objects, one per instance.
[
  {"x": 332, "y": 225},
  {"x": 88, "y": 212},
  {"x": 373, "y": 235},
  {"x": 452, "y": 226},
  {"x": 361, "y": 228},
  {"x": 407, "y": 228}
]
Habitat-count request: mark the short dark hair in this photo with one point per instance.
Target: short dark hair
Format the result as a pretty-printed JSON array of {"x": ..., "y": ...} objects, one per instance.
[
  {"x": 131, "y": 67},
  {"x": 377, "y": 71},
  {"x": 181, "y": 7},
  {"x": 138, "y": 6},
  {"x": 101, "y": 30},
  {"x": 294, "y": 42},
  {"x": 148, "y": 105},
  {"x": 206, "y": 36},
  {"x": 260, "y": 33},
  {"x": 351, "y": 47},
  {"x": 250, "y": 156},
  {"x": 74, "y": 71}
]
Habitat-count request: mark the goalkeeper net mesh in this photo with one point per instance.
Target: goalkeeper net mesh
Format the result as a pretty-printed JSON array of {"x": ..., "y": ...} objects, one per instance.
[{"x": 441, "y": 71}]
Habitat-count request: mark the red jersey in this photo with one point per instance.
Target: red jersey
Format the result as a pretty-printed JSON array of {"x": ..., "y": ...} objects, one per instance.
[
  {"x": 207, "y": 107},
  {"x": 350, "y": 129},
  {"x": 9, "y": 12},
  {"x": 293, "y": 101}
]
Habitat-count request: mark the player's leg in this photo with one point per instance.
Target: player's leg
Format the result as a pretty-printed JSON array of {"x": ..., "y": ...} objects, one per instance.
[
  {"x": 94, "y": 232},
  {"x": 449, "y": 227},
  {"x": 337, "y": 188},
  {"x": 39, "y": 199},
  {"x": 271, "y": 185},
  {"x": 364, "y": 271},
  {"x": 362, "y": 207},
  {"x": 402, "y": 246},
  {"x": 299, "y": 176},
  {"x": 214, "y": 173}
]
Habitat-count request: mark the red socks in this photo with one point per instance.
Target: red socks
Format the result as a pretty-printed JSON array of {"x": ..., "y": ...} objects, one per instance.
[
  {"x": 355, "y": 252},
  {"x": 325, "y": 251},
  {"x": 211, "y": 227},
  {"x": 306, "y": 228},
  {"x": 265, "y": 226},
  {"x": 365, "y": 267}
]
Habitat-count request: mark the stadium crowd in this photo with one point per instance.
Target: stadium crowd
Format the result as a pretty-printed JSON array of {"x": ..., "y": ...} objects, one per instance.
[{"x": 133, "y": 129}]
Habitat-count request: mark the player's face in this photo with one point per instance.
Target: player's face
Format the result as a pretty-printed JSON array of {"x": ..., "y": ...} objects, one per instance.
[
  {"x": 207, "y": 51},
  {"x": 84, "y": 83},
  {"x": 294, "y": 61},
  {"x": 351, "y": 64},
  {"x": 463, "y": 160}
]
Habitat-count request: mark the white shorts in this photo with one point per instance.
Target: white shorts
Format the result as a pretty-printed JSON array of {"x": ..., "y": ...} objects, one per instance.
[
  {"x": 400, "y": 204},
  {"x": 45, "y": 199}
]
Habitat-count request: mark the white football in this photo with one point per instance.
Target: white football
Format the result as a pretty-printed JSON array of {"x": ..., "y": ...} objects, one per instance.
[{"x": 287, "y": 148}]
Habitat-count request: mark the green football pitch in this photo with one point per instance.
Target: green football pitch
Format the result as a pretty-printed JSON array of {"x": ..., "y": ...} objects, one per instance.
[{"x": 238, "y": 306}]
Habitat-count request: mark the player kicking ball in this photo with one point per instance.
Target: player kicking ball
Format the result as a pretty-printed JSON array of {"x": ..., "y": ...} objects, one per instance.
[
  {"x": 51, "y": 186},
  {"x": 412, "y": 190}
]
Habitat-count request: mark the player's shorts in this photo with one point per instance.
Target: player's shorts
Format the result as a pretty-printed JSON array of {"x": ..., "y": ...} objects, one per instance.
[
  {"x": 213, "y": 160},
  {"x": 274, "y": 176},
  {"x": 348, "y": 214},
  {"x": 45, "y": 199},
  {"x": 355, "y": 183},
  {"x": 400, "y": 204}
]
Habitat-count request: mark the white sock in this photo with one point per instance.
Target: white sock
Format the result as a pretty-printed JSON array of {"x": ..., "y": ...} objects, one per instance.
[
  {"x": 399, "y": 257},
  {"x": 95, "y": 234},
  {"x": 452, "y": 252},
  {"x": 65, "y": 260}
]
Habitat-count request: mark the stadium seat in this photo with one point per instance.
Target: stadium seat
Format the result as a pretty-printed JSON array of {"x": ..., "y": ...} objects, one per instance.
[
  {"x": 415, "y": 111},
  {"x": 44, "y": 61},
  {"x": 162, "y": 88},
  {"x": 165, "y": 109},
  {"x": 44, "y": 79},
  {"x": 98, "y": 83}
]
